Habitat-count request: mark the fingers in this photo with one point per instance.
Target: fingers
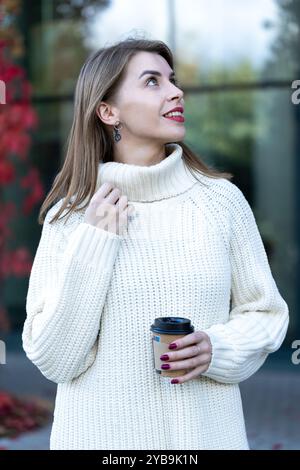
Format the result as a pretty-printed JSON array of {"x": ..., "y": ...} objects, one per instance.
[
  {"x": 113, "y": 196},
  {"x": 195, "y": 350},
  {"x": 189, "y": 357},
  {"x": 192, "y": 338},
  {"x": 110, "y": 206},
  {"x": 107, "y": 193},
  {"x": 131, "y": 210},
  {"x": 193, "y": 374},
  {"x": 126, "y": 212},
  {"x": 190, "y": 363},
  {"x": 184, "y": 353},
  {"x": 102, "y": 192},
  {"x": 122, "y": 202}
]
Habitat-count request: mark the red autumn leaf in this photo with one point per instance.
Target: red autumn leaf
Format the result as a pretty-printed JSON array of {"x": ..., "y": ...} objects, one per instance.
[
  {"x": 32, "y": 181},
  {"x": 7, "y": 172},
  {"x": 17, "y": 416},
  {"x": 21, "y": 262},
  {"x": 17, "y": 119},
  {"x": 16, "y": 263}
]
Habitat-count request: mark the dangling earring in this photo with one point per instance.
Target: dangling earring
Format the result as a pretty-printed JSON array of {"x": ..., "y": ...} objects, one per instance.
[{"x": 117, "y": 135}]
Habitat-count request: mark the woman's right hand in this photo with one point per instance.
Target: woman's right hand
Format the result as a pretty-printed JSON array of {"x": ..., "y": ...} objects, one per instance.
[{"x": 108, "y": 209}]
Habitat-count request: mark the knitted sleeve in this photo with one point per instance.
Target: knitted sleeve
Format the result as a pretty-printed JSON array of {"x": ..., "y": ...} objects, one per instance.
[
  {"x": 68, "y": 283},
  {"x": 258, "y": 317}
]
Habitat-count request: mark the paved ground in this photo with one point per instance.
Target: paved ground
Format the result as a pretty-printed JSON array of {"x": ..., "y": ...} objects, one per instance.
[{"x": 270, "y": 398}]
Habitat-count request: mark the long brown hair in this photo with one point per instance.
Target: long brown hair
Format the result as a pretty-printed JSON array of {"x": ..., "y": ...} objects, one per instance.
[{"x": 89, "y": 141}]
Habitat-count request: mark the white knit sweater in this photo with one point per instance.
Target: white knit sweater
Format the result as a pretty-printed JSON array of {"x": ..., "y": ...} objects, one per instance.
[{"x": 192, "y": 250}]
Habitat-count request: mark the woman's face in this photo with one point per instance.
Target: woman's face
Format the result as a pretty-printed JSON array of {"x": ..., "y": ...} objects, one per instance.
[{"x": 143, "y": 99}]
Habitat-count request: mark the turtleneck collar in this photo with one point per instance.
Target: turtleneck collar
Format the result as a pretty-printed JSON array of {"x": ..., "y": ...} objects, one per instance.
[{"x": 165, "y": 179}]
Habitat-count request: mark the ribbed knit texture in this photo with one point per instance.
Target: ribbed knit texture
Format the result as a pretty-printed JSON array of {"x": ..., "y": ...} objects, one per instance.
[{"x": 192, "y": 250}]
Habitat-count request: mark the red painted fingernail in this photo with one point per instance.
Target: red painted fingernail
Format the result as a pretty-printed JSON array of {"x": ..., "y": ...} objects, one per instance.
[
  {"x": 173, "y": 346},
  {"x": 174, "y": 381},
  {"x": 164, "y": 357}
]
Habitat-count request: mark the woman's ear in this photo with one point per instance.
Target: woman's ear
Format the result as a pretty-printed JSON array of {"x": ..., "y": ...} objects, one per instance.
[{"x": 107, "y": 113}]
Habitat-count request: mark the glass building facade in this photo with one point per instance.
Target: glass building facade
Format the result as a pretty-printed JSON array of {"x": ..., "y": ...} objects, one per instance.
[{"x": 235, "y": 61}]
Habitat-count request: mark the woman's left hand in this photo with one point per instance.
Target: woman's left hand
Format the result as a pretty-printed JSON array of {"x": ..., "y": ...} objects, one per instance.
[{"x": 193, "y": 351}]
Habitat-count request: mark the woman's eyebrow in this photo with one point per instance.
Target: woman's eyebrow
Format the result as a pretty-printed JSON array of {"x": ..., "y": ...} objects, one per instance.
[{"x": 155, "y": 72}]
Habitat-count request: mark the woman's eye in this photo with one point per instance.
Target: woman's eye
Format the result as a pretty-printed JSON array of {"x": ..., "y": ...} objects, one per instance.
[
  {"x": 176, "y": 83},
  {"x": 150, "y": 79}
]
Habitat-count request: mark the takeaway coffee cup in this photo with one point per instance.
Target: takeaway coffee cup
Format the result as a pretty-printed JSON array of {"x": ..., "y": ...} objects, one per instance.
[{"x": 166, "y": 330}]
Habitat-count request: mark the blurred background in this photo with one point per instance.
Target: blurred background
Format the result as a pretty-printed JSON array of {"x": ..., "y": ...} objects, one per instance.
[{"x": 236, "y": 62}]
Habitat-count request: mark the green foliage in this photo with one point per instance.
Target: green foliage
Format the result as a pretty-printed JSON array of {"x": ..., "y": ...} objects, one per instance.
[{"x": 223, "y": 124}]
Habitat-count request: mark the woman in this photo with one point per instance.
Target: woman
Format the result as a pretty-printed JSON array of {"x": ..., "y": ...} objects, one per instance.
[{"x": 102, "y": 275}]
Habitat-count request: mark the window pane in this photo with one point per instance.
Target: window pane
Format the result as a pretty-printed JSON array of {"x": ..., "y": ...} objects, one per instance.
[
  {"x": 213, "y": 38},
  {"x": 252, "y": 135}
]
